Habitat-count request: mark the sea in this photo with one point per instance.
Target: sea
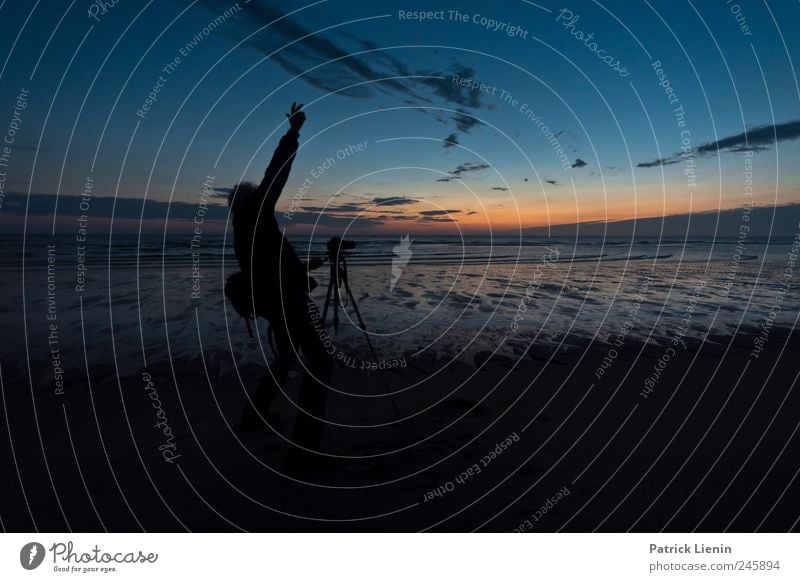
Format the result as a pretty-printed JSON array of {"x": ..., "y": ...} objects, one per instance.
[{"x": 131, "y": 299}]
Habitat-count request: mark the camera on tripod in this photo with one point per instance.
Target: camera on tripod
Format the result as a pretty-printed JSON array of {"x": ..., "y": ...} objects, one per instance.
[
  {"x": 339, "y": 278},
  {"x": 337, "y": 245}
]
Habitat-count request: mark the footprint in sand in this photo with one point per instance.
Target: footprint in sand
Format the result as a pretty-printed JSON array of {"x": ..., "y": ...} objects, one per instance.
[
  {"x": 400, "y": 292},
  {"x": 460, "y": 406}
]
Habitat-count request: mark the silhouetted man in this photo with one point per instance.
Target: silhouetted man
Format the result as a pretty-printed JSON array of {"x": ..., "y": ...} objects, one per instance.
[{"x": 280, "y": 288}]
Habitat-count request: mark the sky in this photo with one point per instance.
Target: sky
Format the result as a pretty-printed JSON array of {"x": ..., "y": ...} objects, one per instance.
[{"x": 481, "y": 117}]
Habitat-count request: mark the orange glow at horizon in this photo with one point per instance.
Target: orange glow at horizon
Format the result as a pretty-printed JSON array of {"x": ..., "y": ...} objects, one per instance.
[{"x": 499, "y": 216}]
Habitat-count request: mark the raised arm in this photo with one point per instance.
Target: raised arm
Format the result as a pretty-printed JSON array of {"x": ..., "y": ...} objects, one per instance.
[{"x": 281, "y": 164}]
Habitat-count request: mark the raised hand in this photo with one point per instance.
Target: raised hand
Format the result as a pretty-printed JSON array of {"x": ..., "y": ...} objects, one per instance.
[{"x": 296, "y": 117}]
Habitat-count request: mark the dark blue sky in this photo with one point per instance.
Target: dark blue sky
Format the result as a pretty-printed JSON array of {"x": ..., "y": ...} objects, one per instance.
[{"x": 369, "y": 73}]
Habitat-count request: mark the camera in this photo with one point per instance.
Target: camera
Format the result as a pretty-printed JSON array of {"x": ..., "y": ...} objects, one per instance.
[{"x": 337, "y": 244}]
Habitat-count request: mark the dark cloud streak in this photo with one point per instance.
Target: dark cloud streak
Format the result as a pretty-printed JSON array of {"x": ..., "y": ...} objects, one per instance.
[
  {"x": 394, "y": 201},
  {"x": 438, "y": 212},
  {"x": 451, "y": 140},
  {"x": 756, "y": 139}
]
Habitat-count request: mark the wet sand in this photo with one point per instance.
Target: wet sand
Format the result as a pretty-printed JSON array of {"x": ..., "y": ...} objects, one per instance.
[{"x": 535, "y": 442}]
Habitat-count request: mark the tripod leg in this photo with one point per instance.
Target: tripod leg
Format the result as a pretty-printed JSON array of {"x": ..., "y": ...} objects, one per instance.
[
  {"x": 369, "y": 343},
  {"x": 327, "y": 302},
  {"x": 361, "y": 323},
  {"x": 336, "y": 300}
]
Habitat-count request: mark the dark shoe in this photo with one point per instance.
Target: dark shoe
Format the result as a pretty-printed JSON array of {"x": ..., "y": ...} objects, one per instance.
[
  {"x": 302, "y": 462},
  {"x": 256, "y": 411},
  {"x": 251, "y": 418}
]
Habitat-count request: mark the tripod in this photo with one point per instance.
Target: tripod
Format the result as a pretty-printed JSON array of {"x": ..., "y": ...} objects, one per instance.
[{"x": 338, "y": 264}]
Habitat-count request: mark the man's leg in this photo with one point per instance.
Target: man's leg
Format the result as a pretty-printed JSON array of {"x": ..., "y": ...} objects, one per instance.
[
  {"x": 308, "y": 427},
  {"x": 257, "y": 408}
]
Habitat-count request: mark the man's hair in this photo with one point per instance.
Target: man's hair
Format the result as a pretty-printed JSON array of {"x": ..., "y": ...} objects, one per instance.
[{"x": 239, "y": 194}]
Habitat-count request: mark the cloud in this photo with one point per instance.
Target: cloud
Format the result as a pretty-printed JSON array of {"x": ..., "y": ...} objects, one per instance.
[
  {"x": 133, "y": 214},
  {"x": 311, "y": 51},
  {"x": 438, "y": 212},
  {"x": 468, "y": 167},
  {"x": 358, "y": 210},
  {"x": 465, "y": 121},
  {"x": 454, "y": 92},
  {"x": 659, "y": 162},
  {"x": 303, "y": 58},
  {"x": 336, "y": 220},
  {"x": 222, "y": 192},
  {"x": 462, "y": 169},
  {"x": 758, "y": 138},
  {"x": 471, "y": 212},
  {"x": 383, "y": 57},
  {"x": 579, "y": 163},
  {"x": 394, "y": 217},
  {"x": 394, "y": 201},
  {"x": 451, "y": 140},
  {"x": 333, "y": 208},
  {"x": 119, "y": 207}
]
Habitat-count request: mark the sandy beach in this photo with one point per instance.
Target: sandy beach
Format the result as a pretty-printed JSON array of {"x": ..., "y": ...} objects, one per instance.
[{"x": 498, "y": 429}]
